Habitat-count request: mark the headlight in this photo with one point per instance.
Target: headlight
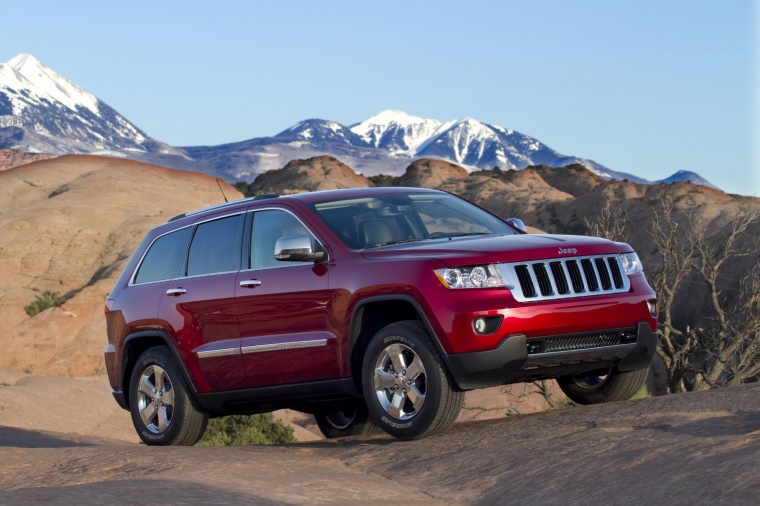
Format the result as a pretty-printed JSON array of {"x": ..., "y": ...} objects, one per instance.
[
  {"x": 477, "y": 276},
  {"x": 631, "y": 263}
]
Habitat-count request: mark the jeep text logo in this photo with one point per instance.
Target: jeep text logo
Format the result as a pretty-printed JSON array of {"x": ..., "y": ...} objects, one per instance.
[{"x": 564, "y": 251}]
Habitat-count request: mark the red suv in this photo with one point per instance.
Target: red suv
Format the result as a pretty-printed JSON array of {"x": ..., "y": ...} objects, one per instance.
[{"x": 373, "y": 309}]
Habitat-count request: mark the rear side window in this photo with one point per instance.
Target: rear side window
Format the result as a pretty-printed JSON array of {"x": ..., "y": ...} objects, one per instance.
[
  {"x": 215, "y": 247},
  {"x": 163, "y": 257}
]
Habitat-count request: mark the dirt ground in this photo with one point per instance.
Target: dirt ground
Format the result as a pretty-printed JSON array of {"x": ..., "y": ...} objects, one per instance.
[{"x": 696, "y": 448}]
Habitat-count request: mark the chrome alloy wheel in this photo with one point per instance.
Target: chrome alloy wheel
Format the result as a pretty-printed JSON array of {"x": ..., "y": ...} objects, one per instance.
[
  {"x": 341, "y": 420},
  {"x": 399, "y": 381},
  {"x": 155, "y": 399},
  {"x": 589, "y": 382}
]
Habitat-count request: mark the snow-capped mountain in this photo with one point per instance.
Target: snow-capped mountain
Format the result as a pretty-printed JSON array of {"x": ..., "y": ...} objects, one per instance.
[
  {"x": 387, "y": 142},
  {"x": 467, "y": 142},
  {"x": 43, "y": 112},
  {"x": 318, "y": 130},
  {"x": 396, "y": 131}
]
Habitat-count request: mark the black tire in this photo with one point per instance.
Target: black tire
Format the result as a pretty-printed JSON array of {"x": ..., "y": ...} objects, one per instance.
[
  {"x": 595, "y": 389},
  {"x": 352, "y": 419},
  {"x": 163, "y": 410},
  {"x": 428, "y": 403}
]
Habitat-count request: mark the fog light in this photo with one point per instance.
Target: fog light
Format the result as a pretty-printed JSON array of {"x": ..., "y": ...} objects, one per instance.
[{"x": 486, "y": 324}]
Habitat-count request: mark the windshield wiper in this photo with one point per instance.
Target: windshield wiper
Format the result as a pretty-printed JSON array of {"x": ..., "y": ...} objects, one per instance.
[
  {"x": 463, "y": 234},
  {"x": 400, "y": 241}
]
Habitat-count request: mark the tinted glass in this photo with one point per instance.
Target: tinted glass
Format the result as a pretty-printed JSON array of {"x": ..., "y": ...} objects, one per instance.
[
  {"x": 366, "y": 222},
  {"x": 163, "y": 257},
  {"x": 268, "y": 226},
  {"x": 215, "y": 247}
]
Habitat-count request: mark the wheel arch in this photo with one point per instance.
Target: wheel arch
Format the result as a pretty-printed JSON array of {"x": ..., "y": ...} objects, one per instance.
[
  {"x": 373, "y": 313},
  {"x": 136, "y": 344}
]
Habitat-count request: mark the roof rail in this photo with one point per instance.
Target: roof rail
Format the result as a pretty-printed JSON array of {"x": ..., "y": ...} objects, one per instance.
[{"x": 224, "y": 205}]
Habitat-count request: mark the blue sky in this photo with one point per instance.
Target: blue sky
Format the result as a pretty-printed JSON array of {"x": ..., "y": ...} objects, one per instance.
[{"x": 646, "y": 87}]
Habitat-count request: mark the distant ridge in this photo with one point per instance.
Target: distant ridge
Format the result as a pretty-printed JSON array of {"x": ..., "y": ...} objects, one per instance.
[{"x": 687, "y": 176}]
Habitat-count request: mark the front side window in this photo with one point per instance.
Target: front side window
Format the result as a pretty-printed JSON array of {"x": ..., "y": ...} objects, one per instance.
[
  {"x": 163, "y": 257},
  {"x": 215, "y": 247},
  {"x": 268, "y": 227}
]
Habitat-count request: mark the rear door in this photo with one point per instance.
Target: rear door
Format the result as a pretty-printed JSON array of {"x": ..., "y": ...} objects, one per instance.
[
  {"x": 199, "y": 305},
  {"x": 284, "y": 307}
]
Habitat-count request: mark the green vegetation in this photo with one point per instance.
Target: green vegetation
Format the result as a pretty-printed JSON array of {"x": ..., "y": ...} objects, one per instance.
[
  {"x": 236, "y": 430},
  {"x": 44, "y": 301},
  {"x": 643, "y": 393}
]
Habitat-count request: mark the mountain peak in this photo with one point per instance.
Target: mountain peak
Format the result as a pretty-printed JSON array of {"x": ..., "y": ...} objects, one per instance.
[
  {"x": 394, "y": 116},
  {"x": 22, "y": 60},
  {"x": 46, "y": 83},
  {"x": 395, "y": 130},
  {"x": 687, "y": 176}
]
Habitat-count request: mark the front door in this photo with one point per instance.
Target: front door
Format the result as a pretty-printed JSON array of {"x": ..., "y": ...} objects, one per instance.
[{"x": 287, "y": 335}]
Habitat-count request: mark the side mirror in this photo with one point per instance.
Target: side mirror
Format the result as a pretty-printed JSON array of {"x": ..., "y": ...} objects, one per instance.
[
  {"x": 296, "y": 248},
  {"x": 518, "y": 224}
]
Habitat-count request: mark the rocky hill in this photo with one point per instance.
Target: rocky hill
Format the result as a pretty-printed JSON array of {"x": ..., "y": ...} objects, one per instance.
[
  {"x": 318, "y": 173},
  {"x": 10, "y": 158},
  {"x": 68, "y": 225}
]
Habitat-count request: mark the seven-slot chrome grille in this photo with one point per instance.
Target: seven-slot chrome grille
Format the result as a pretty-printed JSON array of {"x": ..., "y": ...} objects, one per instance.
[{"x": 561, "y": 278}]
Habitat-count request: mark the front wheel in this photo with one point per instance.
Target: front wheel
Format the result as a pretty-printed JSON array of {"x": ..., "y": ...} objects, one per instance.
[
  {"x": 351, "y": 419},
  {"x": 406, "y": 386},
  {"x": 596, "y": 389},
  {"x": 162, "y": 407}
]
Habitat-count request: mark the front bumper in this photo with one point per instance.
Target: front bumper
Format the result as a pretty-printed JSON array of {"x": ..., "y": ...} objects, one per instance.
[{"x": 519, "y": 359}]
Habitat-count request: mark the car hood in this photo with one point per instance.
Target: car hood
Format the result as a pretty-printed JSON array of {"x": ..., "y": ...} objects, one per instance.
[{"x": 500, "y": 248}]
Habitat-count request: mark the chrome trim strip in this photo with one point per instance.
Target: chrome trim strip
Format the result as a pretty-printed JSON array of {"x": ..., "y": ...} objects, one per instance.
[
  {"x": 260, "y": 348},
  {"x": 225, "y": 352}
]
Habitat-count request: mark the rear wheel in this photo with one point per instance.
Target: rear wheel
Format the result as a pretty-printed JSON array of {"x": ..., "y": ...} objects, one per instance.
[
  {"x": 596, "y": 389},
  {"x": 406, "y": 386},
  {"x": 351, "y": 419},
  {"x": 162, "y": 407}
]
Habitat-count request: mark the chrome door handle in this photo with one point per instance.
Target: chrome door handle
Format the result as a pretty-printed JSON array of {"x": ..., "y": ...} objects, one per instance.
[
  {"x": 174, "y": 292},
  {"x": 250, "y": 283}
]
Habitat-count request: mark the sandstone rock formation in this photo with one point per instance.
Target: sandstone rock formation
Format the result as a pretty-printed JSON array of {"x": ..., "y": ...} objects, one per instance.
[{"x": 318, "y": 173}]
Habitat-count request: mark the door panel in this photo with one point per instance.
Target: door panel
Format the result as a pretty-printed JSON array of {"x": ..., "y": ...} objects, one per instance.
[
  {"x": 204, "y": 318},
  {"x": 287, "y": 335}
]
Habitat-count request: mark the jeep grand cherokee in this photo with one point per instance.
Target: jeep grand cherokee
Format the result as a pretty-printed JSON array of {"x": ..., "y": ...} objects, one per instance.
[{"x": 373, "y": 309}]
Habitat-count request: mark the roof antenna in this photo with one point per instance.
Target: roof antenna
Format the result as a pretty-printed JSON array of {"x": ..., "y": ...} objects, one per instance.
[{"x": 220, "y": 189}]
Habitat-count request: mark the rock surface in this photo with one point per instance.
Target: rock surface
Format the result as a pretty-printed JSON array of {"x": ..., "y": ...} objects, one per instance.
[{"x": 696, "y": 448}]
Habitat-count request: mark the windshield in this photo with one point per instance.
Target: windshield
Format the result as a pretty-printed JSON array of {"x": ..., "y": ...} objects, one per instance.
[{"x": 368, "y": 222}]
